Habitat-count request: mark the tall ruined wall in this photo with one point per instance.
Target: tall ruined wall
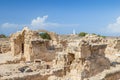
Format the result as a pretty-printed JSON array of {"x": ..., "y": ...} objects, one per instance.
[
  {"x": 16, "y": 43},
  {"x": 28, "y": 37},
  {"x": 20, "y": 42}
]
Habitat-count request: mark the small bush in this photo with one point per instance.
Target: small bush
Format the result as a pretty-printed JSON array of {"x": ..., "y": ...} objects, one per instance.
[
  {"x": 94, "y": 34},
  {"x": 99, "y": 35},
  {"x": 3, "y": 36},
  {"x": 103, "y": 36},
  {"x": 45, "y": 36},
  {"x": 82, "y": 34}
]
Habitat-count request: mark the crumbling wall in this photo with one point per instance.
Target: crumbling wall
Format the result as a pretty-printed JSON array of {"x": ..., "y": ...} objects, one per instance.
[
  {"x": 4, "y": 45},
  {"x": 89, "y": 57},
  {"x": 30, "y": 45},
  {"x": 60, "y": 60},
  {"x": 113, "y": 76},
  {"x": 5, "y": 49},
  {"x": 0, "y": 50},
  {"x": 39, "y": 48},
  {"x": 113, "y": 46},
  {"x": 29, "y": 76},
  {"x": 16, "y": 44},
  {"x": 20, "y": 42}
]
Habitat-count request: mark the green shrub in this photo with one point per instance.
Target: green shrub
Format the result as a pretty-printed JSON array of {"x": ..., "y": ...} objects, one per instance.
[
  {"x": 99, "y": 35},
  {"x": 94, "y": 34},
  {"x": 2, "y": 36},
  {"x": 103, "y": 36},
  {"x": 45, "y": 36},
  {"x": 82, "y": 34}
]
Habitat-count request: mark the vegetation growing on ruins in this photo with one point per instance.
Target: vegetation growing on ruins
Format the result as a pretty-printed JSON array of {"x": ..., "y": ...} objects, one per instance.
[
  {"x": 2, "y": 36},
  {"x": 82, "y": 34},
  {"x": 99, "y": 35},
  {"x": 45, "y": 36}
]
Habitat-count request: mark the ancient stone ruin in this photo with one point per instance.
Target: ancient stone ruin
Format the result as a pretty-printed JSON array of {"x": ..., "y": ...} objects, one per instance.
[
  {"x": 29, "y": 44},
  {"x": 83, "y": 60},
  {"x": 27, "y": 56}
]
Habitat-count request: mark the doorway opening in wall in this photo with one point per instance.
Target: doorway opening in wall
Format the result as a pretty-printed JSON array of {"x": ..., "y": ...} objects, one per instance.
[
  {"x": 71, "y": 57},
  {"x": 22, "y": 48}
]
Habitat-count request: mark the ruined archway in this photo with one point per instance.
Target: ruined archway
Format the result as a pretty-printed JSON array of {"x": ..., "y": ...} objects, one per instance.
[
  {"x": 53, "y": 35},
  {"x": 17, "y": 43}
]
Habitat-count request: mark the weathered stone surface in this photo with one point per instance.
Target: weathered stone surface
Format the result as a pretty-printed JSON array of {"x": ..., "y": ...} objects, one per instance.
[
  {"x": 30, "y": 45},
  {"x": 87, "y": 57},
  {"x": 4, "y": 45},
  {"x": 75, "y": 58},
  {"x": 113, "y": 46}
]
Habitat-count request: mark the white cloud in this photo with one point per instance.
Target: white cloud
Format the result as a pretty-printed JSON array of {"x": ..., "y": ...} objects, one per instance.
[
  {"x": 8, "y": 28},
  {"x": 37, "y": 23},
  {"x": 114, "y": 27},
  {"x": 9, "y": 25},
  {"x": 40, "y": 22}
]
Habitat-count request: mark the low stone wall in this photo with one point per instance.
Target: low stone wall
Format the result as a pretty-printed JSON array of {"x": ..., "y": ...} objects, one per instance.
[
  {"x": 34, "y": 75},
  {"x": 113, "y": 76},
  {"x": 26, "y": 76}
]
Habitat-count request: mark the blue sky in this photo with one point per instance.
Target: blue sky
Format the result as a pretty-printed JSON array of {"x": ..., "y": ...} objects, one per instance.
[{"x": 61, "y": 16}]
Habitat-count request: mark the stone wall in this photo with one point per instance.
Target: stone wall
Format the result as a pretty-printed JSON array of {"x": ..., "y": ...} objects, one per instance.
[
  {"x": 4, "y": 45},
  {"x": 39, "y": 48},
  {"x": 29, "y": 76},
  {"x": 30, "y": 45},
  {"x": 87, "y": 59},
  {"x": 113, "y": 46},
  {"x": 113, "y": 76},
  {"x": 21, "y": 42}
]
